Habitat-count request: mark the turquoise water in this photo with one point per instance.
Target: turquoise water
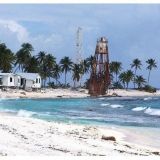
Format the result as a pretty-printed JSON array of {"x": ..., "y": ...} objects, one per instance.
[{"x": 141, "y": 112}]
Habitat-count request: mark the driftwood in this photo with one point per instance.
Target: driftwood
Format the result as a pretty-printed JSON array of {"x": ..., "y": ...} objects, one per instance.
[{"x": 108, "y": 138}]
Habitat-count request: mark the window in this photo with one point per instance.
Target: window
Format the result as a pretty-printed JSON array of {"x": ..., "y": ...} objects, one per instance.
[
  {"x": 1, "y": 81},
  {"x": 39, "y": 80},
  {"x": 36, "y": 80},
  {"x": 10, "y": 79}
]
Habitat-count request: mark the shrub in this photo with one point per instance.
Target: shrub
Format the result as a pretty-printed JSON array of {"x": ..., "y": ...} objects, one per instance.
[
  {"x": 117, "y": 85},
  {"x": 51, "y": 84},
  {"x": 149, "y": 88}
]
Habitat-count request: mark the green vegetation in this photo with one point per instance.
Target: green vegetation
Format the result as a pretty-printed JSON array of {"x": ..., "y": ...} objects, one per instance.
[
  {"x": 149, "y": 88},
  {"x": 115, "y": 68},
  {"x": 126, "y": 77},
  {"x": 136, "y": 64},
  {"x": 151, "y": 64},
  {"x": 66, "y": 66},
  {"x": 7, "y": 58},
  {"x": 51, "y": 71}
]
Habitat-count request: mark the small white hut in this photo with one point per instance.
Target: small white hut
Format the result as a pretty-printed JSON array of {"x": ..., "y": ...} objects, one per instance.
[
  {"x": 7, "y": 80},
  {"x": 20, "y": 80},
  {"x": 30, "y": 80}
]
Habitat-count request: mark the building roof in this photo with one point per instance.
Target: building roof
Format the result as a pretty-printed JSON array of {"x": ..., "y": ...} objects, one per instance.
[
  {"x": 31, "y": 76},
  {"x": 6, "y": 74}
]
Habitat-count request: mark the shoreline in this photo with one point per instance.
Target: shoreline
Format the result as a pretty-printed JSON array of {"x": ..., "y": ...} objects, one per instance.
[
  {"x": 31, "y": 136},
  {"x": 68, "y": 93}
]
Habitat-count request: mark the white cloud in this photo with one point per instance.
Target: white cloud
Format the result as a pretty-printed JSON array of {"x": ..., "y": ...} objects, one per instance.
[
  {"x": 14, "y": 34},
  {"x": 46, "y": 43},
  {"x": 14, "y": 27}
]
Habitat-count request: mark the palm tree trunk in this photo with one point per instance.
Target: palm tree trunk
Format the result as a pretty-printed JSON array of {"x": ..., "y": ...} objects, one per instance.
[
  {"x": 80, "y": 81},
  {"x": 65, "y": 78},
  {"x": 74, "y": 84},
  {"x": 127, "y": 86},
  {"x": 124, "y": 85},
  {"x": 139, "y": 85},
  {"x": 116, "y": 77},
  {"x": 56, "y": 81},
  {"x": 135, "y": 78},
  {"x": 44, "y": 82},
  {"x": 149, "y": 76},
  {"x": 116, "y": 80}
]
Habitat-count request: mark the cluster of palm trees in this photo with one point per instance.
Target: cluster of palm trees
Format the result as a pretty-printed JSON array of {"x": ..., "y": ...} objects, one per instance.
[
  {"x": 50, "y": 70},
  {"x": 122, "y": 79},
  {"x": 43, "y": 63}
]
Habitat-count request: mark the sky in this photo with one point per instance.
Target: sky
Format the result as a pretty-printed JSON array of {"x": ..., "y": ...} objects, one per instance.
[{"x": 133, "y": 31}]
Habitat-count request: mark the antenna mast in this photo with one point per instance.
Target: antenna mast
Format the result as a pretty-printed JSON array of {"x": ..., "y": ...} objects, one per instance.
[{"x": 79, "y": 45}]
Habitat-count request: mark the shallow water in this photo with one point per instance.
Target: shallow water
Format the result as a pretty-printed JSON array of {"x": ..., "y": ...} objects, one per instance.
[{"x": 141, "y": 112}]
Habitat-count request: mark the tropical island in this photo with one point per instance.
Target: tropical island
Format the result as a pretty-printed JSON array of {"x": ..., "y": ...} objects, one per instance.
[
  {"x": 105, "y": 103},
  {"x": 52, "y": 71},
  {"x": 59, "y": 119}
]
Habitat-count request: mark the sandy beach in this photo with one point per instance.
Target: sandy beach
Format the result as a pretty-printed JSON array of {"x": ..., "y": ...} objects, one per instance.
[
  {"x": 28, "y": 136},
  {"x": 69, "y": 93}
]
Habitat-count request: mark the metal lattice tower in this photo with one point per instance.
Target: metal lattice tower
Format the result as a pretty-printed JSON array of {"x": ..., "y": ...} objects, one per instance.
[{"x": 79, "y": 45}]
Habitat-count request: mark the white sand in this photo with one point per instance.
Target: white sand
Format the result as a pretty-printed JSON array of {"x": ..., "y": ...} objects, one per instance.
[
  {"x": 47, "y": 93},
  {"x": 68, "y": 93},
  {"x": 132, "y": 93},
  {"x": 28, "y": 136}
]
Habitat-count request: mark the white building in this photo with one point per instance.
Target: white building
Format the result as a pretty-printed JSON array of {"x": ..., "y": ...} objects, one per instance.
[
  {"x": 20, "y": 80},
  {"x": 17, "y": 80},
  {"x": 6, "y": 79},
  {"x": 30, "y": 80}
]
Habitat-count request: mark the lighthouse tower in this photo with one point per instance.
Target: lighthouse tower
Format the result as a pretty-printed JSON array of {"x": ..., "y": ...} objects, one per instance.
[{"x": 99, "y": 78}]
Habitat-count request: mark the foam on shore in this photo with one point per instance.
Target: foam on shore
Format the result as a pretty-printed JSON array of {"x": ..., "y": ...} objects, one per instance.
[
  {"x": 139, "y": 109},
  {"x": 24, "y": 113},
  {"x": 153, "y": 112},
  {"x": 116, "y": 106}
]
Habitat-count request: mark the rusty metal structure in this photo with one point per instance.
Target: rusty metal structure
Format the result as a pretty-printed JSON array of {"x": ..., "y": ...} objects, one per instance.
[{"x": 99, "y": 78}]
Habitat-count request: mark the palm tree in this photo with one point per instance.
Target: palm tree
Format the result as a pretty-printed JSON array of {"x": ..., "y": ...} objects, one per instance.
[
  {"x": 89, "y": 62},
  {"x": 66, "y": 65},
  {"x": 77, "y": 71},
  {"x": 129, "y": 77},
  {"x": 136, "y": 64},
  {"x": 6, "y": 58},
  {"x": 115, "y": 68},
  {"x": 122, "y": 78},
  {"x": 23, "y": 56},
  {"x": 85, "y": 64},
  {"x": 32, "y": 66},
  {"x": 56, "y": 72},
  {"x": 41, "y": 57},
  {"x": 151, "y": 64},
  {"x": 140, "y": 81},
  {"x": 49, "y": 62},
  {"x": 126, "y": 77}
]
